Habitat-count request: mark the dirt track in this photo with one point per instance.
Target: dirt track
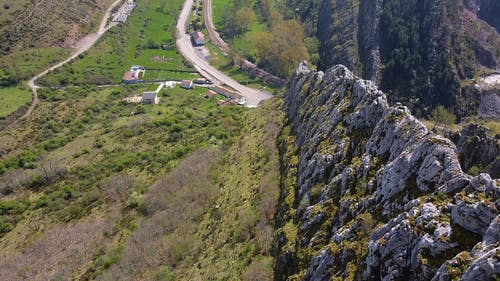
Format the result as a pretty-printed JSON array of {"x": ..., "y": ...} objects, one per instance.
[{"x": 83, "y": 45}]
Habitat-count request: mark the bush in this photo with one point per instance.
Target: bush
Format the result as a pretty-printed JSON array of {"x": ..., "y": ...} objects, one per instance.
[
  {"x": 13, "y": 207},
  {"x": 475, "y": 170},
  {"x": 247, "y": 218},
  {"x": 164, "y": 274},
  {"x": 152, "y": 45},
  {"x": 179, "y": 246},
  {"x": 441, "y": 116},
  {"x": 140, "y": 109},
  {"x": 5, "y": 227}
]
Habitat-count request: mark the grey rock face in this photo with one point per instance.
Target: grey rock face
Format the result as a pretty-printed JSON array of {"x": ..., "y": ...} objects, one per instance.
[
  {"x": 379, "y": 197},
  {"x": 490, "y": 104},
  {"x": 473, "y": 217},
  {"x": 476, "y": 148}
]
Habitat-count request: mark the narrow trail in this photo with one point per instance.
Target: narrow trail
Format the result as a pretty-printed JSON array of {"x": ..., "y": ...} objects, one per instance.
[{"x": 82, "y": 46}]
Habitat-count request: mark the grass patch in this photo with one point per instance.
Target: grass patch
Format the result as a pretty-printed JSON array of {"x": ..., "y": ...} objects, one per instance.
[
  {"x": 244, "y": 44},
  {"x": 219, "y": 6},
  {"x": 22, "y": 65},
  {"x": 11, "y": 99}
]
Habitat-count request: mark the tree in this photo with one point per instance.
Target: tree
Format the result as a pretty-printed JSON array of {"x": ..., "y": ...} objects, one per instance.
[
  {"x": 283, "y": 48},
  {"x": 441, "y": 116},
  {"x": 236, "y": 23},
  {"x": 118, "y": 187}
]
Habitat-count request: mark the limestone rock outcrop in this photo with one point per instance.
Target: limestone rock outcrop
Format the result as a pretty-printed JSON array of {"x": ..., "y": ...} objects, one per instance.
[
  {"x": 477, "y": 149},
  {"x": 376, "y": 195}
]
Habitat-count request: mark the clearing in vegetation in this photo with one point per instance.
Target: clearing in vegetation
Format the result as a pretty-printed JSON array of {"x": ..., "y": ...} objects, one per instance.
[{"x": 12, "y": 98}]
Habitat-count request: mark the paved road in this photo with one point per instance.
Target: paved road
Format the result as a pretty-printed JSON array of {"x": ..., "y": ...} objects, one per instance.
[
  {"x": 83, "y": 45},
  {"x": 253, "y": 96}
]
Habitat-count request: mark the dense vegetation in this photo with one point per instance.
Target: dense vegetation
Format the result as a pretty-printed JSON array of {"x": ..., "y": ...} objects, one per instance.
[
  {"x": 422, "y": 53},
  {"x": 408, "y": 71},
  {"x": 97, "y": 174},
  {"x": 263, "y": 32}
]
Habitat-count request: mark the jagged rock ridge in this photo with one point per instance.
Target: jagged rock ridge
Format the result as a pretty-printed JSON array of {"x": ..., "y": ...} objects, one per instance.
[{"x": 377, "y": 195}]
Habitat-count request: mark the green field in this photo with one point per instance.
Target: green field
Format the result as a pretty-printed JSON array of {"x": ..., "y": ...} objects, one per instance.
[
  {"x": 219, "y": 6},
  {"x": 151, "y": 24},
  {"x": 12, "y": 98},
  {"x": 242, "y": 44},
  {"x": 22, "y": 65}
]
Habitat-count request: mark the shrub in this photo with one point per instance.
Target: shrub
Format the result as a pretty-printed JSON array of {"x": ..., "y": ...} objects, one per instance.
[
  {"x": 441, "y": 116},
  {"x": 164, "y": 274},
  {"x": 152, "y": 44},
  {"x": 247, "y": 218},
  {"x": 178, "y": 246},
  {"x": 140, "y": 109},
  {"x": 5, "y": 227},
  {"x": 475, "y": 170}
]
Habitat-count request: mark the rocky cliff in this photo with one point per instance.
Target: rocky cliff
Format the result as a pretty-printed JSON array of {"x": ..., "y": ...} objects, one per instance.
[
  {"x": 420, "y": 51},
  {"x": 477, "y": 149},
  {"x": 369, "y": 193}
]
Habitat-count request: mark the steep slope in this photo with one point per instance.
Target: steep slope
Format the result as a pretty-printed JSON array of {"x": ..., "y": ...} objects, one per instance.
[
  {"x": 41, "y": 23},
  {"x": 419, "y": 51},
  {"x": 369, "y": 193},
  {"x": 37, "y": 33}
]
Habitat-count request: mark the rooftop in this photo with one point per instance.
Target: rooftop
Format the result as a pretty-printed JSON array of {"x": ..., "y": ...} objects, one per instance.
[
  {"x": 129, "y": 75},
  {"x": 149, "y": 95}
]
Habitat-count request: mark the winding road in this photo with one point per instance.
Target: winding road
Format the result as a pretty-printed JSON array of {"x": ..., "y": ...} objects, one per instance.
[
  {"x": 253, "y": 96},
  {"x": 83, "y": 45}
]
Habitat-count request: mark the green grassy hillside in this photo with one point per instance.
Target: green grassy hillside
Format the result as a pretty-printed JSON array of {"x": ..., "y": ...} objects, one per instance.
[
  {"x": 34, "y": 34},
  {"x": 138, "y": 41},
  {"x": 141, "y": 195},
  {"x": 11, "y": 99}
]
